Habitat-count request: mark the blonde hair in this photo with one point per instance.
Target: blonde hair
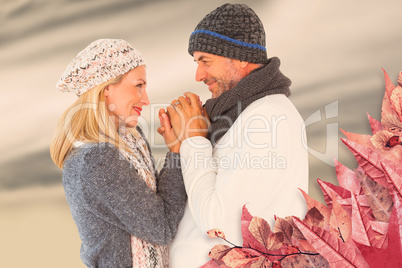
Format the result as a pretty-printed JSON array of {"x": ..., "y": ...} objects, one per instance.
[{"x": 87, "y": 120}]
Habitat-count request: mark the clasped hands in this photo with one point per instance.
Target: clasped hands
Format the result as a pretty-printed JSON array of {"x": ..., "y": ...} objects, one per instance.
[{"x": 184, "y": 118}]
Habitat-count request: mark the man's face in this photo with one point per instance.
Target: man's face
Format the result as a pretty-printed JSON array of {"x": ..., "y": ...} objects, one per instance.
[{"x": 219, "y": 73}]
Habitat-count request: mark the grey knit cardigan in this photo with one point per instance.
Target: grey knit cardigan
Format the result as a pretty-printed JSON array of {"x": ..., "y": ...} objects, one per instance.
[{"x": 109, "y": 202}]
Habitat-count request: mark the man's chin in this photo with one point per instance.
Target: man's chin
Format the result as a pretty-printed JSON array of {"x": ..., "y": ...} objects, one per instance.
[{"x": 216, "y": 94}]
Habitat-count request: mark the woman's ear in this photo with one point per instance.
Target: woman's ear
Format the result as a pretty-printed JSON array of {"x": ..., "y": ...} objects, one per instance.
[{"x": 106, "y": 92}]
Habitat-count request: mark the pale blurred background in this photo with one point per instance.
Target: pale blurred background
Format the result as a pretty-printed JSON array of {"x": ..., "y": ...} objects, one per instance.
[{"x": 332, "y": 50}]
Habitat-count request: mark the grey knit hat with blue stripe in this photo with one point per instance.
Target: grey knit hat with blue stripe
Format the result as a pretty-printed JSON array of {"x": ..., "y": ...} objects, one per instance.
[{"x": 232, "y": 31}]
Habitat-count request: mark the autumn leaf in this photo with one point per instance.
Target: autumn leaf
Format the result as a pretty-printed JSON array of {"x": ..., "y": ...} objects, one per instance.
[
  {"x": 213, "y": 233},
  {"x": 248, "y": 238},
  {"x": 350, "y": 180},
  {"x": 380, "y": 140},
  {"x": 340, "y": 221},
  {"x": 296, "y": 232},
  {"x": 381, "y": 228},
  {"x": 297, "y": 238},
  {"x": 261, "y": 230},
  {"x": 371, "y": 161},
  {"x": 347, "y": 178},
  {"x": 305, "y": 261},
  {"x": 394, "y": 178},
  {"x": 329, "y": 190},
  {"x": 374, "y": 124},
  {"x": 237, "y": 258},
  {"x": 391, "y": 120},
  {"x": 336, "y": 252},
  {"x": 282, "y": 225},
  {"x": 275, "y": 241},
  {"x": 393, "y": 154},
  {"x": 392, "y": 255},
  {"x": 324, "y": 210},
  {"x": 291, "y": 250},
  {"x": 218, "y": 251},
  {"x": 276, "y": 264},
  {"x": 379, "y": 199},
  {"x": 215, "y": 264},
  {"x": 359, "y": 226},
  {"x": 396, "y": 101},
  {"x": 314, "y": 218},
  {"x": 363, "y": 140},
  {"x": 363, "y": 231},
  {"x": 386, "y": 103},
  {"x": 305, "y": 246},
  {"x": 392, "y": 124},
  {"x": 261, "y": 262}
]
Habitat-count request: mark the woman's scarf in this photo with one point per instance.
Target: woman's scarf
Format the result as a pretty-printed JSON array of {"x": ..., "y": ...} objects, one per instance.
[
  {"x": 144, "y": 254},
  {"x": 224, "y": 110}
]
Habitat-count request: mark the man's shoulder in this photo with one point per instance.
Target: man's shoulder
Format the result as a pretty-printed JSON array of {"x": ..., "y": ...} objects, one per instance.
[{"x": 271, "y": 104}]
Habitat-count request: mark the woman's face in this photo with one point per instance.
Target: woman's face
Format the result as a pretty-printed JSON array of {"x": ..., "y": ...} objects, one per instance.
[{"x": 125, "y": 99}]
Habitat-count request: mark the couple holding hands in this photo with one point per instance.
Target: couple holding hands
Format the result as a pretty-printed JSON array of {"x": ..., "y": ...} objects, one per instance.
[{"x": 130, "y": 215}]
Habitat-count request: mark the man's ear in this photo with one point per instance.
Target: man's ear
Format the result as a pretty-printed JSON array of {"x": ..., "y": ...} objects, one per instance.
[{"x": 243, "y": 64}]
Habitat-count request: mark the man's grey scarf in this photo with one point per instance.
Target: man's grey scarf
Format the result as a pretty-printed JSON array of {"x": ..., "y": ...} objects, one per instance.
[{"x": 224, "y": 110}]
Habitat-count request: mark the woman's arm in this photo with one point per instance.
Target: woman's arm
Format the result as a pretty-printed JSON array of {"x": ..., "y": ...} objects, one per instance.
[{"x": 115, "y": 191}]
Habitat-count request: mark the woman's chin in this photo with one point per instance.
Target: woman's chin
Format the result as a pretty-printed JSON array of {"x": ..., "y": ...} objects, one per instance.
[{"x": 131, "y": 124}]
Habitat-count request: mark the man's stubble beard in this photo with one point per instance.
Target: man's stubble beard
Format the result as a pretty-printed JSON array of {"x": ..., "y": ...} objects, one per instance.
[{"x": 231, "y": 78}]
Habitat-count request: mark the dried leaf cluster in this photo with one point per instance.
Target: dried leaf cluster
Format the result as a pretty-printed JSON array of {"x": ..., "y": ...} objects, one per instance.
[{"x": 361, "y": 223}]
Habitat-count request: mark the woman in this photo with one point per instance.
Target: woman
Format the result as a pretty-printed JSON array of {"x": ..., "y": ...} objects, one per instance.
[{"x": 125, "y": 212}]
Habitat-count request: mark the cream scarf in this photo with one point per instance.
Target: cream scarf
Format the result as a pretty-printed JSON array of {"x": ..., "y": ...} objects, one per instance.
[{"x": 144, "y": 254}]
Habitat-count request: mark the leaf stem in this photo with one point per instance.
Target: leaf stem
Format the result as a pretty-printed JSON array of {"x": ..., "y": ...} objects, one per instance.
[
  {"x": 230, "y": 242},
  {"x": 270, "y": 254},
  {"x": 340, "y": 235}
]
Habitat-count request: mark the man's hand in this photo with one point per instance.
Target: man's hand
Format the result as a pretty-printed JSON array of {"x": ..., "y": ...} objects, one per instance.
[{"x": 188, "y": 117}]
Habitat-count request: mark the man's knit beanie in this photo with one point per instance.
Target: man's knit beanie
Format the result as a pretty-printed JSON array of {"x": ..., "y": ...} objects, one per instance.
[{"x": 232, "y": 31}]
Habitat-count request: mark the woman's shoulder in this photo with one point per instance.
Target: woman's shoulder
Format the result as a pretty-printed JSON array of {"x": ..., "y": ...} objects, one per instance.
[
  {"x": 92, "y": 153},
  {"x": 92, "y": 161}
]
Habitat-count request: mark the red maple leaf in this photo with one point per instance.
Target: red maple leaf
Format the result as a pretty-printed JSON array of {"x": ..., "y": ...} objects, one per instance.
[
  {"x": 392, "y": 255},
  {"x": 333, "y": 249}
]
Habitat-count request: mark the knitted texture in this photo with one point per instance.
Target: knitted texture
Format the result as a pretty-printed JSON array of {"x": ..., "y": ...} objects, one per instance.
[
  {"x": 99, "y": 62},
  {"x": 232, "y": 31},
  {"x": 110, "y": 202},
  {"x": 145, "y": 254}
]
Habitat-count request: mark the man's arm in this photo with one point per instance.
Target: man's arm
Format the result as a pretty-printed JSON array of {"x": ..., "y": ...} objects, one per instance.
[{"x": 258, "y": 164}]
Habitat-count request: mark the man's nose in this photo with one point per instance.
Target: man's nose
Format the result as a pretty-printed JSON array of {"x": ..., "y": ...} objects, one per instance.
[{"x": 200, "y": 74}]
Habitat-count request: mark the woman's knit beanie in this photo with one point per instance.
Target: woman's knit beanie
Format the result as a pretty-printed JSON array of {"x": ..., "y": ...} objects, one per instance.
[
  {"x": 232, "y": 31},
  {"x": 99, "y": 62}
]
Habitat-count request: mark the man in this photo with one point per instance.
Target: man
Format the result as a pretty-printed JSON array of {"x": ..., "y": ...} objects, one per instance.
[{"x": 252, "y": 153}]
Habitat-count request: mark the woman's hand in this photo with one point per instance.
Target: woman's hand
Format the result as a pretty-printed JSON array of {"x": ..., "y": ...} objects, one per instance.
[{"x": 167, "y": 132}]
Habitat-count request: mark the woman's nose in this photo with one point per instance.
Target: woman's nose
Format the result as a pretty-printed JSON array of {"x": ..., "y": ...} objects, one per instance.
[{"x": 144, "y": 98}]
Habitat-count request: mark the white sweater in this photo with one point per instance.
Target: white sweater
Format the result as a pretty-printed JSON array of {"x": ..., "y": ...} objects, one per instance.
[{"x": 260, "y": 161}]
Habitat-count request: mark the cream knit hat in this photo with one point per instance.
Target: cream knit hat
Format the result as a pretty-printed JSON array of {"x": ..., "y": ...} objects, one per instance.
[{"x": 99, "y": 62}]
